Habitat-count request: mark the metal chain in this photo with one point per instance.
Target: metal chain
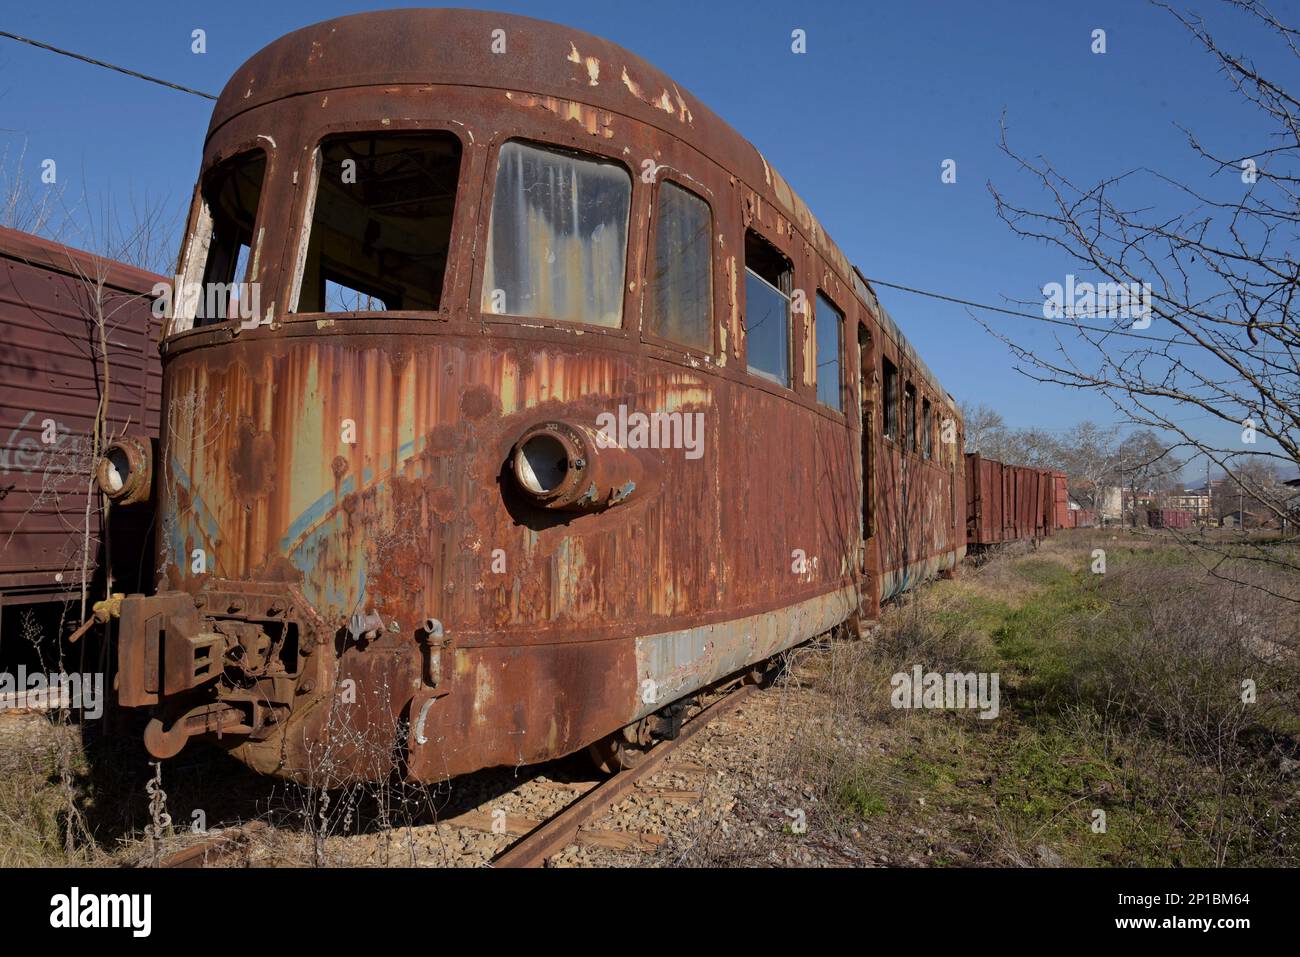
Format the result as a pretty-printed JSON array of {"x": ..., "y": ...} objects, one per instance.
[{"x": 161, "y": 820}]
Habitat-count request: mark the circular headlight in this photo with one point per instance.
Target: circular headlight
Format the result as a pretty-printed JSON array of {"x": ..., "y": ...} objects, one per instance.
[
  {"x": 541, "y": 464},
  {"x": 116, "y": 468},
  {"x": 125, "y": 470},
  {"x": 560, "y": 465}
]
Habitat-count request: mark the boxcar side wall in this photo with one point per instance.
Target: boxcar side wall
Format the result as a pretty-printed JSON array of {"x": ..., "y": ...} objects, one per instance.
[{"x": 52, "y": 379}]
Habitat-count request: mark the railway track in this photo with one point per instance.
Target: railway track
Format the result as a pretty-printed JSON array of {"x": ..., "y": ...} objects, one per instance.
[
  {"x": 547, "y": 839},
  {"x": 218, "y": 847},
  {"x": 537, "y": 838}
]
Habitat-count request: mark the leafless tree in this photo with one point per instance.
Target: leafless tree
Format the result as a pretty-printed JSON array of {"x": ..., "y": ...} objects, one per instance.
[
  {"x": 1089, "y": 455},
  {"x": 141, "y": 231},
  {"x": 980, "y": 422},
  {"x": 25, "y": 203},
  {"x": 1219, "y": 257}
]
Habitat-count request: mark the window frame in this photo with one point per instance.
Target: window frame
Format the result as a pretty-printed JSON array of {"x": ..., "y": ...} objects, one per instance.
[
  {"x": 791, "y": 358},
  {"x": 927, "y": 429},
  {"x": 909, "y": 416},
  {"x": 652, "y": 239},
  {"x": 889, "y": 372},
  {"x": 819, "y": 294},
  {"x": 198, "y": 234},
  {"x": 307, "y": 179},
  {"x": 634, "y": 257}
]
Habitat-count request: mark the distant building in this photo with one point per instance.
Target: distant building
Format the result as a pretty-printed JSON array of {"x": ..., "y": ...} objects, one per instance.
[
  {"x": 1135, "y": 503},
  {"x": 1243, "y": 519},
  {"x": 1195, "y": 500},
  {"x": 1108, "y": 503}
]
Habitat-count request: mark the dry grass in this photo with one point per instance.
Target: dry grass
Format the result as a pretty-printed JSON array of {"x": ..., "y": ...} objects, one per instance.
[{"x": 1120, "y": 693}]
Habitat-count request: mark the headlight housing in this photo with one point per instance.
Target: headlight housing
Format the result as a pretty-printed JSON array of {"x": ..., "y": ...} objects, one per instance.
[
  {"x": 125, "y": 471},
  {"x": 563, "y": 466}
]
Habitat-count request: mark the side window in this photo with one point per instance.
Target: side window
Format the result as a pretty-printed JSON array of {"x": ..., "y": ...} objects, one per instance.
[
  {"x": 889, "y": 373},
  {"x": 681, "y": 285},
  {"x": 829, "y": 323},
  {"x": 557, "y": 239},
  {"x": 909, "y": 417},
  {"x": 230, "y": 196},
  {"x": 380, "y": 222},
  {"x": 927, "y": 430},
  {"x": 769, "y": 280}
]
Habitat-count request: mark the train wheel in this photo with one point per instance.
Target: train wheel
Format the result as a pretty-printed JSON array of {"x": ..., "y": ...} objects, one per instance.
[
  {"x": 621, "y": 750},
  {"x": 766, "y": 672}
]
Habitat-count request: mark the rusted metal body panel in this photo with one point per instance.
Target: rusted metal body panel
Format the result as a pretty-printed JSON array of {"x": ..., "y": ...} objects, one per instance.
[
  {"x": 1045, "y": 514},
  {"x": 984, "y": 498},
  {"x": 1060, "y": 501},
  {"x": 52, "y": 380},
  {"x": 1080, "y": 518},
  {"x": 392, "y": 599},
  {"x": 920, "y": 507}
]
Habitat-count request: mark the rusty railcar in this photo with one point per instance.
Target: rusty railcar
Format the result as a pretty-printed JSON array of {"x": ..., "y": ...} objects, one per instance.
[
  {"x": 548, "y": 404},
  {"x": 1008, "y": 503},
  {"x": 55, "y": 371},
  {"x": 1169, "y": 518}
]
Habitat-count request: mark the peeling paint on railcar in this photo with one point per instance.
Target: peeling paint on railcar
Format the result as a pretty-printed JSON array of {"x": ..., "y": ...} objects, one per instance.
[{"x": 379, "y": 554}]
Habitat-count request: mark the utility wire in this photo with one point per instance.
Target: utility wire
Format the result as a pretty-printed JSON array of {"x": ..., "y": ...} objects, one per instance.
[
  {"x": 877, "y": 282},
  {"x": 1027, "y": 315},
  {"x": 108, "y": 66}
]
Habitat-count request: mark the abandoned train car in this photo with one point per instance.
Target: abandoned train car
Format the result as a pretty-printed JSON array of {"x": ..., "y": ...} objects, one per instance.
[{"x": 558, "y": 406}]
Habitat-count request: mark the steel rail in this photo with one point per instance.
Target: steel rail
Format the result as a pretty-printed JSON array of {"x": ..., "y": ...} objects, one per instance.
[{"x": 550, "y": 837}]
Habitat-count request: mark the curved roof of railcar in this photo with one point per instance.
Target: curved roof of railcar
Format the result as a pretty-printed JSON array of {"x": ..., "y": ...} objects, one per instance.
[{"x": 453, "y": 47}]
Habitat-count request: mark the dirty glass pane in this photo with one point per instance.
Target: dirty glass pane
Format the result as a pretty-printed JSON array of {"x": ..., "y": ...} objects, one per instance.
[
  {"x": 681, "y": 286},
  {"x": 768, "y": 283},
  {"x": 767, "y": 319},
  {"x": 381, "y": 225},
  {"x": 231, "y": 193},
  {"x": 909, "y": 417},
  {"x": 927, "y": 429},
  {"x": 829, "y": 323},
  {"x": 557, "y": 240},
  {"x": 891, "y": 397}
]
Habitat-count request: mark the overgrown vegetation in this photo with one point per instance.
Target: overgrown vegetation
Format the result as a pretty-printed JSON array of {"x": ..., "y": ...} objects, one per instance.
[{"x": 1148, "y": 716}]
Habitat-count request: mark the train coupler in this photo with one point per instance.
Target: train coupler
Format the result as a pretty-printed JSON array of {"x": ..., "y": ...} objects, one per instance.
[{"x": 229, "y": 660}]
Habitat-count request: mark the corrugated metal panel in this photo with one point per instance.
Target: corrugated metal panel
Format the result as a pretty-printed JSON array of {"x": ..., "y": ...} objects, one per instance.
[{"x": 51, "y": 381}]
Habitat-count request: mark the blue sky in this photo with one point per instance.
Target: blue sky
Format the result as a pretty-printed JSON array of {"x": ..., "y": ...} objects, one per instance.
[{"x": 859, "y": 125}]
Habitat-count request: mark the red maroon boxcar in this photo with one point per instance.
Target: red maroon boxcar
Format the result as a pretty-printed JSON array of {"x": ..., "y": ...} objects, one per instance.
[
  {"x": 1061, "y": 516},
  {"x": 1169, "y": 518},
  {"x": 53, "y": 378},
  {"x": 1006, "y": 503}
]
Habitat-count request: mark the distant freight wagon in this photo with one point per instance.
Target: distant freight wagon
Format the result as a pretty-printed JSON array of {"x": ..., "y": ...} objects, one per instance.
[
  {"x": 1005, "y": 503},
  {"x": 1169, "y": 518}
]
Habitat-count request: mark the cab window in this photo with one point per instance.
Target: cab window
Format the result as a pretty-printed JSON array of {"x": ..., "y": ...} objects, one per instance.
[
  {"x": 380, "y": 223},
  {"x": 222, "y": 238}
]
